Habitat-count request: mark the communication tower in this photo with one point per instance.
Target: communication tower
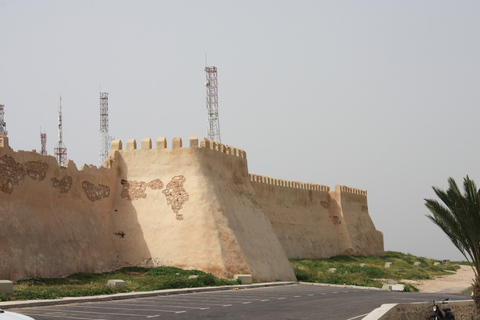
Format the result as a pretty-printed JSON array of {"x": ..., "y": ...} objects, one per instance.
[
  {"x": 3, "y": 124},
  {"x": 60, "y": 149},
  {"x": 213, "y": 126},
  {"x": 43, "y": 140},
  {"x": 105, "y": 138}
]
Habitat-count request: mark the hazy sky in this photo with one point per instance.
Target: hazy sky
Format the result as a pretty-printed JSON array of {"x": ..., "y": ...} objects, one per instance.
[{"x": 377, "y": 95}]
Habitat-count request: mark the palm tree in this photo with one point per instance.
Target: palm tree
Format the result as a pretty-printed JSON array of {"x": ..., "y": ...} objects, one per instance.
[{"x": 459, "y": 218}]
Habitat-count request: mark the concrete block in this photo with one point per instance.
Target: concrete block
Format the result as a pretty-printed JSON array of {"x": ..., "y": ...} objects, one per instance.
[
  {"x": 393, "y": 287},
  {"x": 116, "y": 284},
  {"x": 244, "y": 278},
  {"x": 387, "y": 287},
  {"x": 363, "y": 265},
  {"x": 417, "y": 263},
  {"x": 192, "y": 276},
  {"x": 6, "y": 287},
  {"x": 436, "y": 264},
  {"x": 332, "y": 270},
  {"x": 398, "y": 287},
  {"x": 388, "y": 264}
]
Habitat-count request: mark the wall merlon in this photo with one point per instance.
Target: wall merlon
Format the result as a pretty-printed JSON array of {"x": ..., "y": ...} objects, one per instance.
[
  {"x": 146, "y": 143},
  {"x": 116, "y": 145},
  {"x": 131, "y": 144},
  {"x": 176, "y": 143},
  {"x": 161, "y": 143},
  {"x": 3, "y": 141},
  {"x": 193, "y": 142},
  {"x": 288, "y": 184},
  {"x": 347, "y": 189}
]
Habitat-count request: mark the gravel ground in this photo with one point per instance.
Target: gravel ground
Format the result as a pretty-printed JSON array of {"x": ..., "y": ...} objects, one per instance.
[{"x": 454, "y": 283}]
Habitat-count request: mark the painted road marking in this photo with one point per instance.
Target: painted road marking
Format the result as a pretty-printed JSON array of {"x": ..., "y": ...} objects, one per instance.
[
  {"x": 362, "y": 315},
  {"x": 265, "y": 300},
  {"x": 129, "y": 309},
  {"x": 226, "y": 305},
  {"x": 61, "y": 317},
  {"x": 101, "y": 313},
  {"x": 155, "y": 316}
]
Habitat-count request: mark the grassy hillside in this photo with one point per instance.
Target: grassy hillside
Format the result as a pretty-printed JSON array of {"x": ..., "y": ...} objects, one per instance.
[
  {"x": 350, "y": 272},
  {"x": 89, "y": 284},
  {"x": 137, "y": 279}
]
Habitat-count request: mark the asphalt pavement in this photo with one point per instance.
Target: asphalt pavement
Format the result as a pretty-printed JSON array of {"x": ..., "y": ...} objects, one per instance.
[{"x": 288, "y": 301}]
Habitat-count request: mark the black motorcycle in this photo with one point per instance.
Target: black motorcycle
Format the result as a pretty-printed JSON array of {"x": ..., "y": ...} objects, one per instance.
[{"x": 437, "y": 313}]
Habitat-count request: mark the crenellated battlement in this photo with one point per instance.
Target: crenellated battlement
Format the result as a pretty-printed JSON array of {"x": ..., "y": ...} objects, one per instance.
[
  {"x": 177, "y": 143},
  {"x": 288, "y": 183},
  {"x": 346, "y": 189}
]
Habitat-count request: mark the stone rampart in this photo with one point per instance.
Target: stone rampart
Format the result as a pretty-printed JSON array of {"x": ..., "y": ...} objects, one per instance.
[
  {"x": 313, "y": 222},
  {"x": 54, "y": 220},
  {"x": 205, "y": 217},
  {"x": 191, "y": 207}
]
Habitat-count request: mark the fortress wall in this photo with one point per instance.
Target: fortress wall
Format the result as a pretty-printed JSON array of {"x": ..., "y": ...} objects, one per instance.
[
  {"x": 193, "y": 207},
  {"x": 313, "y": 222},
  {"x": 362, "y": 237},
  {"x": 54, "y": 220},
  {"x": 300, "y": 216}
]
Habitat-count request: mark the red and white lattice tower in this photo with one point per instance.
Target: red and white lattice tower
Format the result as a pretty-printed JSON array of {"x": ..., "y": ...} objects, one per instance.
[
  {"x": 43, "y": 140},
  {"x": 3, "y": 124},
  {"x": 105, "y": 138},
  {"x": 60, "y": 149},
  {"x": 213, "y": 125}
]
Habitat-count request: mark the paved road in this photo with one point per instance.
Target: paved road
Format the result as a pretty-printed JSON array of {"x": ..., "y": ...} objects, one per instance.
[{"x": 285, "y": 302}]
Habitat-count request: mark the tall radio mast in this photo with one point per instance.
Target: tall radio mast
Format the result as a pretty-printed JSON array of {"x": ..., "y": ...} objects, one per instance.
[
  {"x": 43, "y": 141},
  {"x": 60, "y": 149},
  {"x": 213, "y": 126},
  {"x": 105, "y": 138},
  {"x": 3, "y": 124}
]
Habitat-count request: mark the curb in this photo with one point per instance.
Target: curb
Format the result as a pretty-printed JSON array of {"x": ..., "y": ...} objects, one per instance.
[
  {"x": 134, "y": 295},
  {"x": 338, "y": 285}
]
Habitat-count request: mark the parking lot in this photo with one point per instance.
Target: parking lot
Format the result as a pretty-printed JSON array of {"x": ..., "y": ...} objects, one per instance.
[{"x": 284, "y": 302}]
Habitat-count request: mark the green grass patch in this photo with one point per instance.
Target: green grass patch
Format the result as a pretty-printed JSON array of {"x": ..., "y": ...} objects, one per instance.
[
  {"x": 90, "y": 284},
  {"x": 350, "y": 272}
]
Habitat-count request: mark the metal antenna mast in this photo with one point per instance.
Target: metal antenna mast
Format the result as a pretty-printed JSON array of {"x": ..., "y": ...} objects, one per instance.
[
  {"x": 43, "y": 140},
  {"x": 60, "y": 149},
  {"x": 105, "y": 138},
  {"x": 3, "y": 124},
  {"x": 213, "y": 126}
]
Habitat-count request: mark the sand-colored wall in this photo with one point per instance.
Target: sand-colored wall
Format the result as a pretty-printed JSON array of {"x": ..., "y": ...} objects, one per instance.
[
  {"x": 190, "y": 206},
  {"x": 212, "y": 222},
  {"x": 54, "y": 220},
  {"x": 363, "y": 238},
  {"x": 313, "y": 222}
]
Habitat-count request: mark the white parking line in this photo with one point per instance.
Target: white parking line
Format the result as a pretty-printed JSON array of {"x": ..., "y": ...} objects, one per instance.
[
  {"x": 61, "y": 317},
  {"x": 246, "y": 302},
  {"x": 129, "y": 309},
  {"x": 156, "y": 316},
  {"x": 226, "y": 305},
  {"x": 362, "y": 315},
  {"x": 265, "y": 300},
  {"x": 281, "y": 298},
  {"x": 101, "y": 313}
]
